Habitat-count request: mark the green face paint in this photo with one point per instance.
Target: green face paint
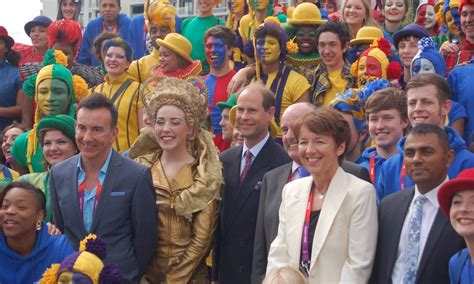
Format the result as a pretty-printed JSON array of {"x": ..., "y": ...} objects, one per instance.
[
  {"x": 53, "y": 97},
  {"x": 259, "y": 5}
]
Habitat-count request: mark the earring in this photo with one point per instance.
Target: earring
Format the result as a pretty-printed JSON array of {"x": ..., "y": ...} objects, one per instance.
[{"x": 38, "y": 225}]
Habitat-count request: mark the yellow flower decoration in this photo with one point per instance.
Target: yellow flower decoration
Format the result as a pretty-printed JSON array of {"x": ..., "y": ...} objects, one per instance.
[
  {"x": 82, "y": 245},
  {"x": 80, "y": 88},
  {"x": 354, "y": 67},
  {"x": 291, "y": 46},
  {"x": 60, "y": 58},
  {"x": 50, "y": 274},
  {"x": 272, "y": 20}
]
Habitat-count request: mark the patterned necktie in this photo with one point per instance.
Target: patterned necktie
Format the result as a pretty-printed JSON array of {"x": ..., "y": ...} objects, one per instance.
[
  {"x": 413, "y": 245},
  {"x": 302, "y": 172},
  {"x": 248, "y": 163}
]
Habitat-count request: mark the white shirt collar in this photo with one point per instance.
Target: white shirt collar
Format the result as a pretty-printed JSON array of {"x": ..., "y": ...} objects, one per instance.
[
  {"x": 255, "y": 149},
  {"x": 432, "y": 195},
  {"x": 294, "y": 166}
]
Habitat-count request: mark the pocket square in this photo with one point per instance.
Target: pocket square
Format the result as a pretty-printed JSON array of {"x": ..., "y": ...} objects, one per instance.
[{"x": 117, "y": 193}]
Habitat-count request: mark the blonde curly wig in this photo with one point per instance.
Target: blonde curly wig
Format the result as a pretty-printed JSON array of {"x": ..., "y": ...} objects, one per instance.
[{"x": 190, "y": 95}]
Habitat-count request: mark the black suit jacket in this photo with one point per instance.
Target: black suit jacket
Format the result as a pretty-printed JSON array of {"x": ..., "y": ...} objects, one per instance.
[
  {"x": 442, "y": 243},
  {"x": 125, "y": 216},
  {"x": 268, "y": 208},
  {"x": 235, "y": 236}
]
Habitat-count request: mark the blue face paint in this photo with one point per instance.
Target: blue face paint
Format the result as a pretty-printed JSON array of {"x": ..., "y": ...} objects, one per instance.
[
  {"x": 216, "y": 51},
  {"x": 421, "y": 66},
  {"x": 456, "y": 18},
  {"x": 268, "y": 49}
]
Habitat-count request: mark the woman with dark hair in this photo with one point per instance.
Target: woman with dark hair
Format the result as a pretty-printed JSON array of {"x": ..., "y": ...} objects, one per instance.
[
  {"x": 122, "y": 91},
  {"x": 69, "y": 9},
  {"x": 328, "y": 220},
  {"x": 98, "y": 44},
  {"x": 394, "y": 12},
  {"x": 8, "y": 170},
  {"x": 175, "y": 58},
  {"x": 11, "y": 93},
  {"x": 58, "y": 140},
  {"x": 66, "y": 35},
  {"x": 36, "y": 30},
  {"x": 26, "y": 248}
]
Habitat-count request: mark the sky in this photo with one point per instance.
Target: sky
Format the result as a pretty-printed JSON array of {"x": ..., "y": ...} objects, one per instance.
[{"x": 14, "y": 16}]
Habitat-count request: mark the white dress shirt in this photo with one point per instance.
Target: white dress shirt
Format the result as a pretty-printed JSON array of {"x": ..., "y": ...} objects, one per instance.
[
  {"x": 254, "y": 150},
  {"x": 430, "y": 209}
]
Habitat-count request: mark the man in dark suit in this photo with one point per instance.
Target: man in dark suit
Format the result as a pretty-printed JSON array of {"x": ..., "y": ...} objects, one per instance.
[
  {"x": 272, "y": 186},
  {"x": 100, "y": 192},
  {"x": 416, "y": 240},
  {"x": 244, "y": 167}
]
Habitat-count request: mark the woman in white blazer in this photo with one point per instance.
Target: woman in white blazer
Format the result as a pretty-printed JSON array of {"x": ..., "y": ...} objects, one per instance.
[{"x": 336, "y": 211}]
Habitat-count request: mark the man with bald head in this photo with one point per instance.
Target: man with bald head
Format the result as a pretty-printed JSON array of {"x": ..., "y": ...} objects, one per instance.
[
  {"x": 244, "y": 167},
  {"x": 272, "y": 186}
]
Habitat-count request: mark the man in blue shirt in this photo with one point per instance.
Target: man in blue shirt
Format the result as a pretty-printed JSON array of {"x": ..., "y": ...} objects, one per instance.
[
  {"x": 100, "y": 192},
  {"x": 428, "y": 103},
  {"x": 111, "y": 20}
]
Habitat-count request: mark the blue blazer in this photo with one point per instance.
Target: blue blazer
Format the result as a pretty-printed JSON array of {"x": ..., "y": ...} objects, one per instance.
[{"x": 125, "y": 216}]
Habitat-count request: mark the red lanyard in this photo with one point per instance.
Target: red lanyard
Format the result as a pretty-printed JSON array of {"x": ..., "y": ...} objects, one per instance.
[
  {"x": 403, "y": 174},
  {"x": 305, "y": 260},
  {"x": 82, "y": 187},
  {"x": 372, "y": 168}
]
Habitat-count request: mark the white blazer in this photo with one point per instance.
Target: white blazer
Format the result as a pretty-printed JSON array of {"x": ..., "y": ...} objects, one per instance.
[{"x": 345, "y": 239}]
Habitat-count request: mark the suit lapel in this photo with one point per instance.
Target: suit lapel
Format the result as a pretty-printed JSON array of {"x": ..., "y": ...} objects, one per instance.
[
  {"x": 259, "y": 166},
  {"x": 295, "y": 217},
  {"x": 234, "y": 173},
  {"x": 109, "y": 182},
  {"x": 436, "y": 230},
  {"x": 337, "y": 191},
  {"x": 282, "y": 179},
  {"x": 257, "y": 169},
  {"x": 72, "y": 168},
  {"x": 399, "y": 214}
]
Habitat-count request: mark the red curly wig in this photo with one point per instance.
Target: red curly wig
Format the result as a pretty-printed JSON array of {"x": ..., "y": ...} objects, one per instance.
[{"x": 66, "y": 32}]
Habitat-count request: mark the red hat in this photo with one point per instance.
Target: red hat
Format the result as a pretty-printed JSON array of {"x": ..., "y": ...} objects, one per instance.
[
  {"x": 464, "y": 2},
  {"x": 4, "y": 35},
  {"x": 465, "y": 180}
]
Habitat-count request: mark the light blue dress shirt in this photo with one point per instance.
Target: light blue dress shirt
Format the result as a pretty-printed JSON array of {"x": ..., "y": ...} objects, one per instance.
[{"x": 89, "y": 197}]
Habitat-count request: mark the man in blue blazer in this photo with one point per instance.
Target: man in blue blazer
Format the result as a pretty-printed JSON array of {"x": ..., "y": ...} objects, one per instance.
[
  {"x": 100, "y": 192},
  {"x": 244, "y": 167}
]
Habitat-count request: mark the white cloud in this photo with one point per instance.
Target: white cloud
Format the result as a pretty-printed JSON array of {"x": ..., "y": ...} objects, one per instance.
[{"x": 15, "y": 14}]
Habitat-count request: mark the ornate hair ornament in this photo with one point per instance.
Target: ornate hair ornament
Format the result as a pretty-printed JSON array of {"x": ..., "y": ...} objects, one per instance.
[{"x": 190, "y": 95}]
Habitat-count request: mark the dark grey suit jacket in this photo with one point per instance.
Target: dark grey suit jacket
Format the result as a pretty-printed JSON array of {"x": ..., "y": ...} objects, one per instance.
[
  {"x": 125, "y": 216},
  {"x": 235, "y": 236},
  {"x": 268, "y": 208},
  {"x": 442, "y": 243}
]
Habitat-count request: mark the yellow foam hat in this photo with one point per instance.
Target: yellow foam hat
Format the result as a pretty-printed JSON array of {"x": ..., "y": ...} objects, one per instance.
[
  {"x": 178, "y": 44},
  {"x": 306, "y": 14},
  {"x": 366, "y": 35}
]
